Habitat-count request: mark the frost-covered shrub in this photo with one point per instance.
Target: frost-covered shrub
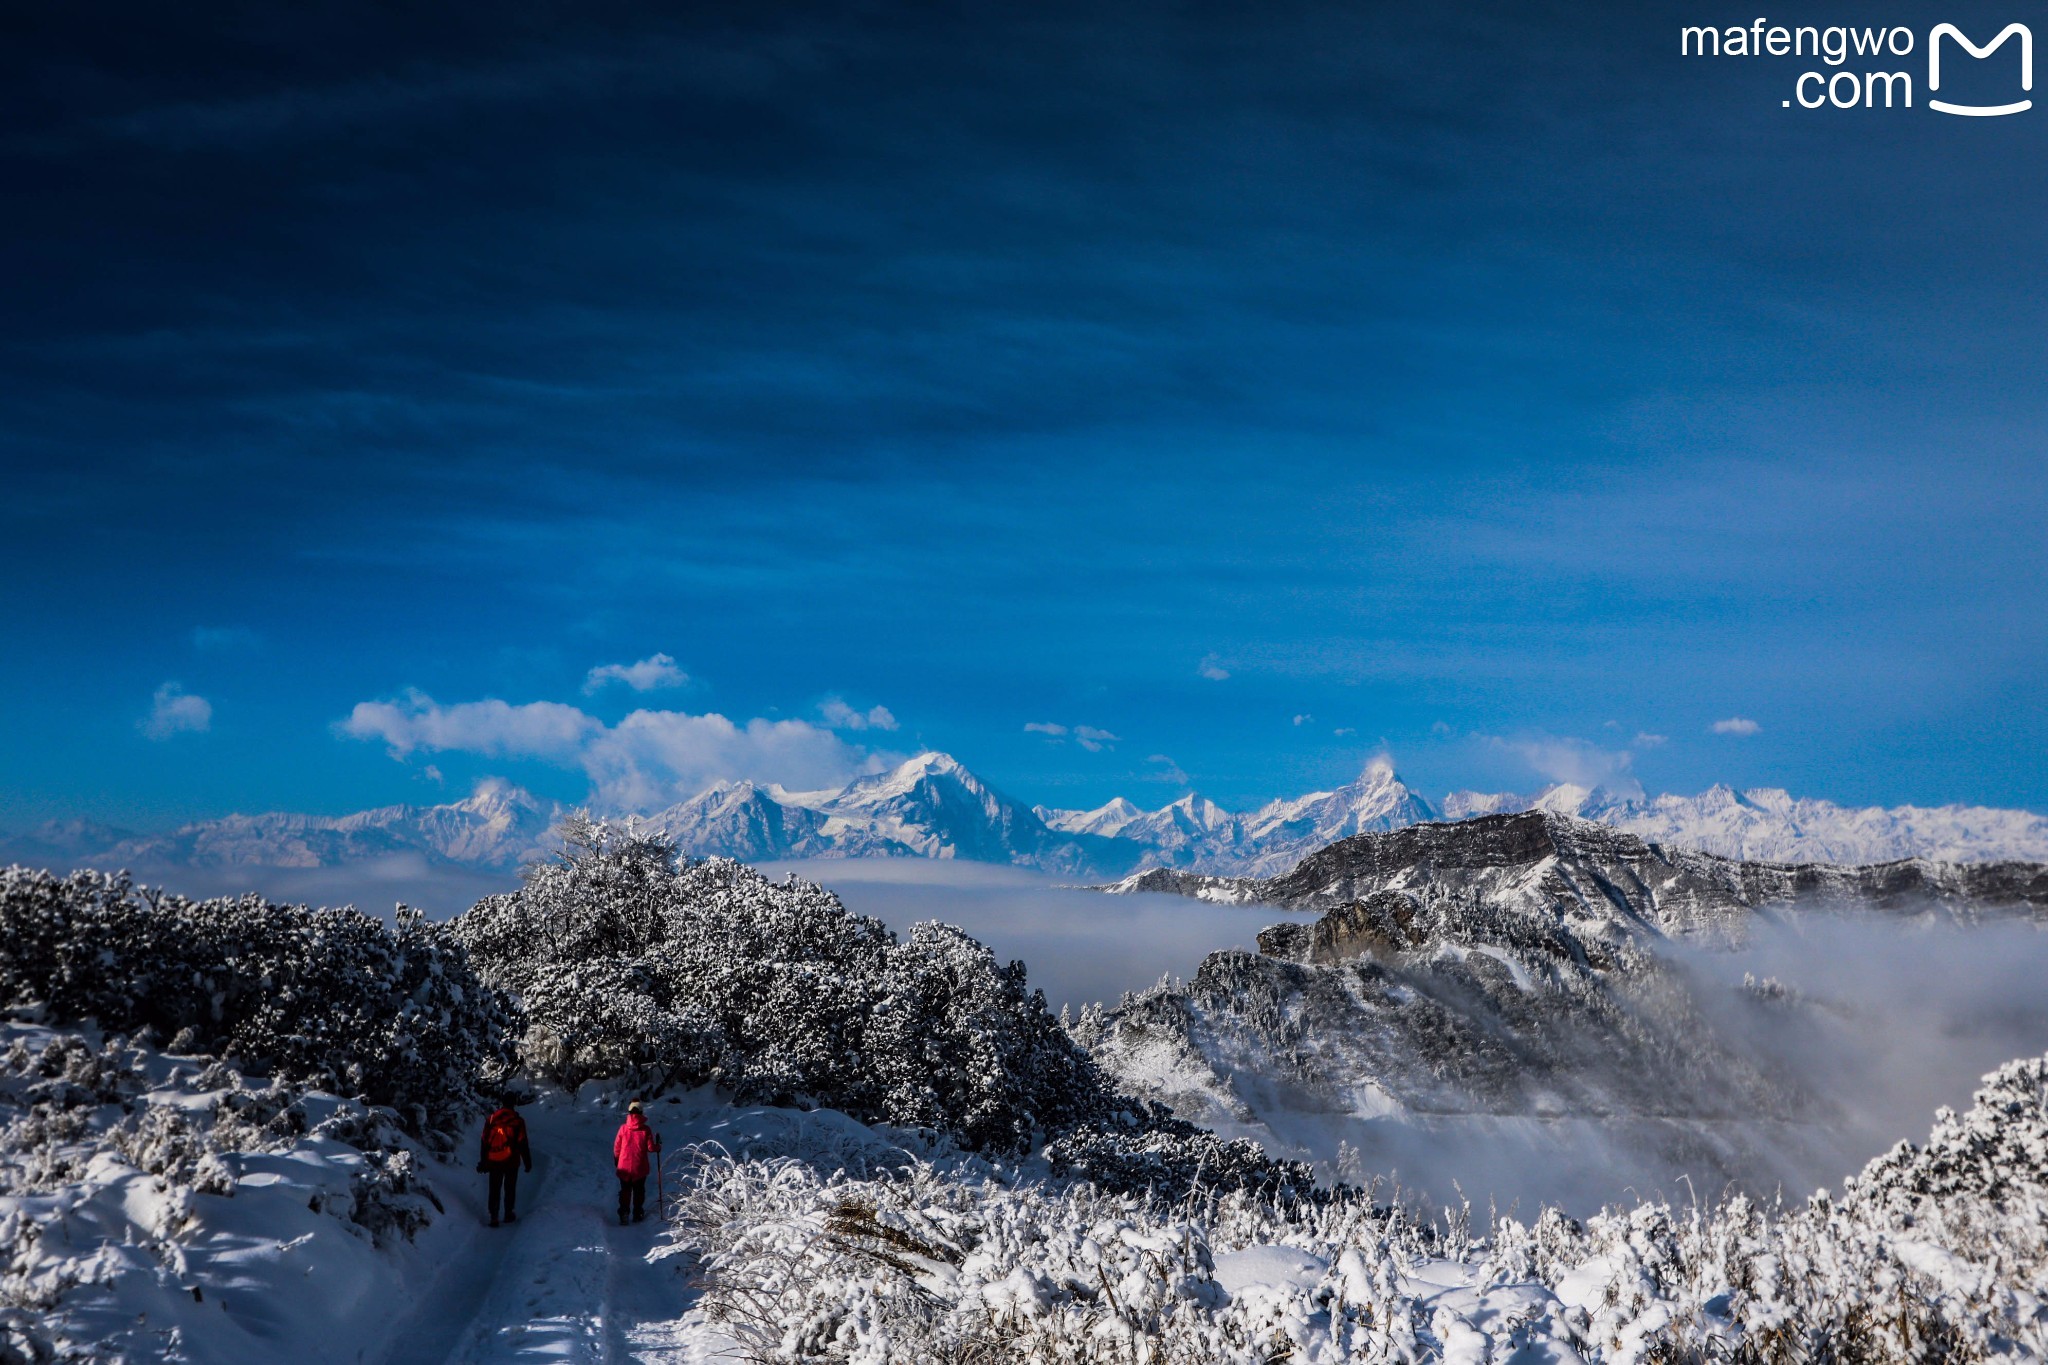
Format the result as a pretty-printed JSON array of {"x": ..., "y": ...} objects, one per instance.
[
  {"x": 1934, "y": 1253},
  {"x": 955, "y": 1260},
  {"x": 1173, "y": 1157},
  {"x": 633, "y": 965},
  {"x": 329, "y": 998}
]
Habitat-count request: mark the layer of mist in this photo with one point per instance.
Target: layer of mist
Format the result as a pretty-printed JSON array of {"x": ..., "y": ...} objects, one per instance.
[
  {"x": 1080, "y": 947},
  {"x": 1873, "y": 1023},
  {"x": 1883, "y": 1021}
]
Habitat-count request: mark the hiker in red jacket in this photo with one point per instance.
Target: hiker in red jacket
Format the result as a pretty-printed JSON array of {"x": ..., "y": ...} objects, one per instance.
[
  {"x": 634, "y": 1148},
  {"x": 504, "y": 1152}
]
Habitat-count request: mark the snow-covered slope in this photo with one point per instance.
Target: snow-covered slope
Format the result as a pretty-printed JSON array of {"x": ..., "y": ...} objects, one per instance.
[
  {"x": 740, "y": 820},
  {"x": 1769, "y": 823},
  {"x": 498, "y": 826}
]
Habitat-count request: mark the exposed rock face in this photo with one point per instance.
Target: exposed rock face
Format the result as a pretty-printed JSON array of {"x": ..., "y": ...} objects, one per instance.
[
  {"x": 1578, "y": 867},
  {"x": 1513, "y": 968}
]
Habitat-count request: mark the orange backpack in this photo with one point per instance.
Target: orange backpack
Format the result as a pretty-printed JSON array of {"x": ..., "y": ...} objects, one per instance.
[{"x": 499, "y": 1134}]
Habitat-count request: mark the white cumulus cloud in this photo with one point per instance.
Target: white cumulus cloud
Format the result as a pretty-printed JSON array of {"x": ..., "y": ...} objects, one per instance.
[
  {"x": 840, "y": 716},
  {"x": 656, "y": 670},
  {"x": 548, "y": 730},
  {"x": 174, "y": 711},
  {"x": 649, "y": 759},
  {"x": 1303, "y": 718},
  {"x": 1736, "y": 725}
]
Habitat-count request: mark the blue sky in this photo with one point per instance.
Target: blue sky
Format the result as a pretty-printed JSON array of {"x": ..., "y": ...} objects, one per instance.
[{"x": 1490, "y": 385}]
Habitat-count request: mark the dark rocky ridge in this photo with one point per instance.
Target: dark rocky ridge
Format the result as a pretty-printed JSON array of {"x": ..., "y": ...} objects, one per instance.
[
  {"x": 1515, "y": 967},
  {"x": 1573, "y": 862}
]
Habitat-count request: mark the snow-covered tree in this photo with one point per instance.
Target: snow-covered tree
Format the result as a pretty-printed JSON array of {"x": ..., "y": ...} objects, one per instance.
[
  {"x": 329, "y": 998},
  {"x": 635, "y": 965}
]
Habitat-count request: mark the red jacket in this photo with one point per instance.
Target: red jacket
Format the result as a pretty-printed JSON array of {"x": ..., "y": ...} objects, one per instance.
[{"x": 633, "y": 1146}]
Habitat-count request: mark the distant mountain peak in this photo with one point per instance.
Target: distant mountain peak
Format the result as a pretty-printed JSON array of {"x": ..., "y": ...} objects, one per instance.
[{"x": 932, "y": 805}]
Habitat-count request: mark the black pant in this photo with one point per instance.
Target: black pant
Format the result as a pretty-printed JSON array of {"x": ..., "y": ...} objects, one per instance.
[
  {"x": 505, "y": 1182},
  {"x": 632, "y": 1196}
]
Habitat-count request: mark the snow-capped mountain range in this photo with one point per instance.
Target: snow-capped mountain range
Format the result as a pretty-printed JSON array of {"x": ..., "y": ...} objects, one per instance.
[{"x": 931, "y": 806}]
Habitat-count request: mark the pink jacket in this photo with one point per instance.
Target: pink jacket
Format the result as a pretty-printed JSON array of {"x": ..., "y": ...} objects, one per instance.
[{"x": 633, "y": 1146}]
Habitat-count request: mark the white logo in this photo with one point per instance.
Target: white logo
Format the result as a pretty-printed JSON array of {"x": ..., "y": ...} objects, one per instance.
[
  {"x": 1862, "y": 51},
  {"x": 1980, "y": 110}
]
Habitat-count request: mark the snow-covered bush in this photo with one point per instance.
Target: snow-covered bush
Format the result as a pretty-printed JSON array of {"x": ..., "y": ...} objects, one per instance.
[
  {"x": 332, "y": 999},
  {"x": 117, "y": 1161},
  {"x": 1171, "y": 1156},
  {"x": 1932, "y": 1254},
  {"x": 632, "y": 964}
]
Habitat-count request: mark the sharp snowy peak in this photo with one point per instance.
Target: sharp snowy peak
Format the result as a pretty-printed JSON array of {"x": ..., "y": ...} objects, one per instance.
[
  {"x": 1198, "y": 835},
  {"x": 1108, "y": 820},
  {"x": 1281, "y": 832},
  {"x": 930, "y": 806},
  {"x": 740, "y": 820},
  {"x": 1193, "y": 829}
]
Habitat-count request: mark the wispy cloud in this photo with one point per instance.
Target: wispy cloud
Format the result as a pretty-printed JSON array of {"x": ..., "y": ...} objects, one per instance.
[
  {"x": 174, "y": 711},
  {"x": 1092, "y": 738},
  {"x": 1165, "y": 769},
  {"x": 1212, "y": 668},
  {"x": 648, "y": 759},
  {"x": 1567, "y": 758},
  {"x": 1735, "y": 725},
  {"x": 1645, "y": 740},
  {"x": 1303, "y": 718},
  {"x": 654, "y": 671}
]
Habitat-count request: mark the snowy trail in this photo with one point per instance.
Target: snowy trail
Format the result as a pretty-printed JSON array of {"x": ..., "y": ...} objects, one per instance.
[{"x": 566, "y": 1283}]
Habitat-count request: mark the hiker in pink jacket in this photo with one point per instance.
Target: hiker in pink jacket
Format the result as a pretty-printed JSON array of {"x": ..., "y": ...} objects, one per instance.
[{"x": 635, "y": 1147}]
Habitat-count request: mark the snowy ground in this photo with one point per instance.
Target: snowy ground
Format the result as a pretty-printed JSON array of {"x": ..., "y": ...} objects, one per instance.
[
  {"x": 564, "y": 1283},
  {"x": 247, "y": 1254},
  {"x": 131, "y": 1238}
]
